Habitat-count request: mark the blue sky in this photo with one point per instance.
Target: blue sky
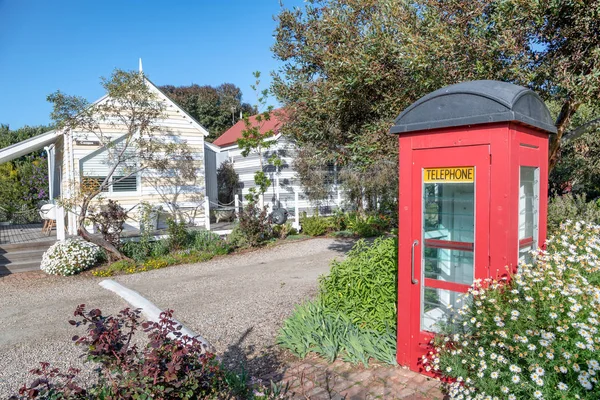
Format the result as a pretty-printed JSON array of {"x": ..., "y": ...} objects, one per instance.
[{"x": 67, "y": 45}]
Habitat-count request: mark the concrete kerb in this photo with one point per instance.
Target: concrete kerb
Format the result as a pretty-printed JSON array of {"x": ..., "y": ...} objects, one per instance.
[{"x": 149, "y": 310}]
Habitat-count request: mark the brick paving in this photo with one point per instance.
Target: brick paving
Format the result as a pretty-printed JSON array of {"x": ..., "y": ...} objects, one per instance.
[
  {"x": 315, "y": 379},
  {"x": 10, "y": 234}
]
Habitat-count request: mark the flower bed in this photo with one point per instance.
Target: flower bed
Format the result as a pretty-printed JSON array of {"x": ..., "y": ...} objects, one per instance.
[{"x": 535, "y": 336}]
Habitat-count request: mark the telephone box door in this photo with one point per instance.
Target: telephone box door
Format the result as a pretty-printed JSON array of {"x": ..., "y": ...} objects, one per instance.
[{"x": 450, "y": 228}]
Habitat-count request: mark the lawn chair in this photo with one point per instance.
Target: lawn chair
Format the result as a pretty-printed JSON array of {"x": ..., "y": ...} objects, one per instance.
[{"x": 48, "y": 215}]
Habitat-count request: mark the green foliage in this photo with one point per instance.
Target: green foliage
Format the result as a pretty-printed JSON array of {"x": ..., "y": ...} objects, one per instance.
[
  {"x": 215, "y": 108},
  {"x": 368, "y": 226},
  {"x": 534, "y": 336},
  {"x": 574, "y": 208},
  {"x": 137, "y": 251},
  {"x": 24, "y": 181},
  {"x": 354, "y": 315},
  {"x": 160, "y": 248},
  {"x": 178, "y": 234},
  {"x": 315, "y": 328},
  {"x": 254, "y": 140},
  {"x": 363, "y": 286},
  {"x": 121, "y": 266},
  {"x": 315, "y": 225},
  {"x": 577, "y": 170},
  {"x": 206, "y": 241},
  {"x": 374, "y": 59},
  {"x": 227, "y": 181},
  {"x": 236, "y": 238},
  {"x": 283, "y": 231},
  {"x": 253, "y": 227}
]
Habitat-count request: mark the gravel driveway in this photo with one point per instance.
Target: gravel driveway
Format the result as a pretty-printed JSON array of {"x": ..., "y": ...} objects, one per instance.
[{"x": 236, "y": 302}]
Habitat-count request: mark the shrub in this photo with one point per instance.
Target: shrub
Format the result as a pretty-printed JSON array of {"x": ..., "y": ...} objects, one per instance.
[
  {"x": 170, "y": 365},
  {"x": 69, "y": 257},
  {"x": 315, "y": 225},
  {"x": 535, "y": 336},
  {"x": 139, "y": 251},
  {"x": 254, "y": 225},
  {"x": 109, "y": 220},
  {"x": 159, "y": 248},
  {"x": 207, "y": 241},
  {"x": 369, "y": 226},
  {"x": 354, "y": 314},
  {"x": 236, "y": 238},
  {"x": 178, "y": 234},
  {"x": 569, "y": 207},
  {"x": 283, "y": 231},
  {"x": 339, "y": 220},
  {"x": 363, "y": 286}
]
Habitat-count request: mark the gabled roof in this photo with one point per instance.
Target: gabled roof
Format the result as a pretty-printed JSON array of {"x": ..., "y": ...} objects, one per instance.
[
  {"x": 37, "y": 142},
  {"x": 234, "y": 133}
]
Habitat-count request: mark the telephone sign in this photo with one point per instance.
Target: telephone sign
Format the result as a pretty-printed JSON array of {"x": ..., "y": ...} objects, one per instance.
[{"x": 440, "y": 175}]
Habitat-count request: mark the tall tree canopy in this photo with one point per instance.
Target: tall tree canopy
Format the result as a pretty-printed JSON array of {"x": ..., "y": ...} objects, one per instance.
[
  {"x": 215, "y": 108},
  {"x": 351, "y": 66}
]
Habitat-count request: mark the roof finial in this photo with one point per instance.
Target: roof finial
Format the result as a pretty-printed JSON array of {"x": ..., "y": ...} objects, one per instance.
[{"x": 141, "y": 70}]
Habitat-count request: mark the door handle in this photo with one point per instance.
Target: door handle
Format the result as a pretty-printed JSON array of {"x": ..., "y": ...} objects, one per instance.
[{"x": 412, "y": 263}]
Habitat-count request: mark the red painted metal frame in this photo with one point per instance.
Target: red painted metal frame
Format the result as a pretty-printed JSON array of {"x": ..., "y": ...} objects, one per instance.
[
  {"x": 525, "y": 242},
  {"x": 449, "y": 244},
  {"x": 511, "y": 146}
]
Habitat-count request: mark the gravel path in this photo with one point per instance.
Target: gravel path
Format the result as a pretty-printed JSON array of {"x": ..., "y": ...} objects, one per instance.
[{"x": 236, "y": 302}]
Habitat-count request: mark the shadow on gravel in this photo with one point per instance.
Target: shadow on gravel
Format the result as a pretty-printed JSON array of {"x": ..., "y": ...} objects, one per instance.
[
  {"x": 342, "y": 246},
  {"x": 240, "y": 358}
]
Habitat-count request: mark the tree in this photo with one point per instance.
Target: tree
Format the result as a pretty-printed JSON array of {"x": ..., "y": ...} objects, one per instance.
[
  {"x": 215, "y": 108},
  {"x": 351, "y": 66},
  {"x": 132, "y": 108},
  {"x": 227, "y": 182},
  {"x": 255, "y": 140}
]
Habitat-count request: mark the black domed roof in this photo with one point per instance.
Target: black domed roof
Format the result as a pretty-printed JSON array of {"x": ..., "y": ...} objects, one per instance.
[{"x": 475, "y": 102}]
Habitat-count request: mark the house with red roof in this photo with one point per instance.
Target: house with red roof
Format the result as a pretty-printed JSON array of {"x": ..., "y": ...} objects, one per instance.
[{"x": 286, "y": 190}]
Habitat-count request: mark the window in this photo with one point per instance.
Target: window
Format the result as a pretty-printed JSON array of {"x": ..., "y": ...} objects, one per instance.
[
  {"x": 528, "y": 212},
  {"x": 97, "y": 165},
  {"x": 122, "y": 184}
]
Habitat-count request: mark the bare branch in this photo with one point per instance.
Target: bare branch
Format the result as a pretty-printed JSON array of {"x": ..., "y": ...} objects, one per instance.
[{"x": 580, "y": 130}]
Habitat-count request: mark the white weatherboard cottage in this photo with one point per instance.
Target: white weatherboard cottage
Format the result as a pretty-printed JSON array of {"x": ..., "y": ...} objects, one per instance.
[
  {"x": 75, "y": 154},
  {"x": 286, "y": 190}
]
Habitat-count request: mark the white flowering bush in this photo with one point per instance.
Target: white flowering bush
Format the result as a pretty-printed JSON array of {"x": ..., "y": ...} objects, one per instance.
[
  {"x": 69, "y": 257},
  {"x": 534, "y": 336}
]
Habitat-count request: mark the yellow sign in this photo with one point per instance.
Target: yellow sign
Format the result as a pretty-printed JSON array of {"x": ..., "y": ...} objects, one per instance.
[{"x": 449, "y": 174}]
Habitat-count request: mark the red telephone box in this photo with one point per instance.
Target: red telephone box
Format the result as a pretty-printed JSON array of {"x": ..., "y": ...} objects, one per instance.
[{"x": 473, "y": 175}]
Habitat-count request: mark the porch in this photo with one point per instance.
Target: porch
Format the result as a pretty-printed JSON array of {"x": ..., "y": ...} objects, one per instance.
[
  {"x": 25, "y": 233},
  {"x": 22, "y": 247}
]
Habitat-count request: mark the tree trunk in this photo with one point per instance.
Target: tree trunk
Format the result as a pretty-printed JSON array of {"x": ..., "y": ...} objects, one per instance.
[
  {"x": 562, "y": 121},
  {"x": 113, "y": 253}
]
